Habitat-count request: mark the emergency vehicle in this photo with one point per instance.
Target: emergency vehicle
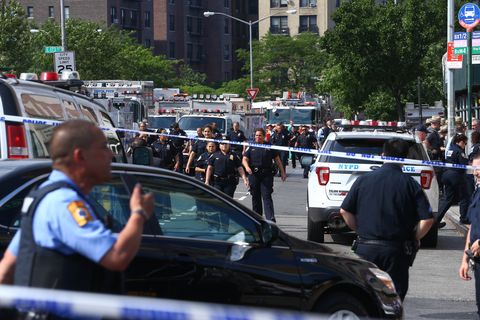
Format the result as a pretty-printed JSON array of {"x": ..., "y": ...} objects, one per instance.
[
  {"x": 412, "y": 112},
  {"x": 330, "y": 177},
  {"x": 127, "y": 101}
]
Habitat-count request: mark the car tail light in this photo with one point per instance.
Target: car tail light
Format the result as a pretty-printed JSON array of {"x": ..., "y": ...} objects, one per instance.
[
  {"x": 323, "y": 175},
  {"x": 17, "y": 141},
  {"x": 426, "y": 177}
]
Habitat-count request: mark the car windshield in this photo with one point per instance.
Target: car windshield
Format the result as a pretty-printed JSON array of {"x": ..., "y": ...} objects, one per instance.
[
  {"x": 192, "y": 123},
  {"x": 160, "y": 122},
  {"x": 364, "y": 146}
]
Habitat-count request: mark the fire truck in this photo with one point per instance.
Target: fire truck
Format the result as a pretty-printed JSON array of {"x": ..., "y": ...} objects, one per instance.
[{"x": 127, "y": 101}]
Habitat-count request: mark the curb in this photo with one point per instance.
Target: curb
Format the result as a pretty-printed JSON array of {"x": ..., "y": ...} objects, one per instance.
[{"x": 453, "y": 218}]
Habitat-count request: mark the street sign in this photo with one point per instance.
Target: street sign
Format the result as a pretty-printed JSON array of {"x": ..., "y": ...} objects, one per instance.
[
  {"x": 52, "y": 49},
  {"x": 252, "y": 92},
  {"x": 453, "y": 61},
  {"x": 460, "y": 42},
  {"x": 64, "y": 61},
  {"x": 469, "y": 16}
]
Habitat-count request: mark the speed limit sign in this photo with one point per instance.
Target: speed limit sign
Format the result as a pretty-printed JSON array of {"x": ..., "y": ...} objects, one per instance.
[{"x": 64, "y": 61}]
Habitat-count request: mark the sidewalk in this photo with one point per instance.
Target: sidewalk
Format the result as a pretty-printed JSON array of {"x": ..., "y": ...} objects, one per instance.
[{"x": 453, "y": 215}]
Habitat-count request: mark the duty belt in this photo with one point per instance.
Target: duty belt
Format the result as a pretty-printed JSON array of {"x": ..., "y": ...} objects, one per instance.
[{"x": 378, "y": 242}]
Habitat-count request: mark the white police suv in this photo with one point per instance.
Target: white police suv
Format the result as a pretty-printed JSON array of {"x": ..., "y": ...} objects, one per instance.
[{"x": 331, "y": 178}]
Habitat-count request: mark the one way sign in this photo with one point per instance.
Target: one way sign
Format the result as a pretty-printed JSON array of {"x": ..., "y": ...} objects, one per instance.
[{"x": 252, "y": 92}]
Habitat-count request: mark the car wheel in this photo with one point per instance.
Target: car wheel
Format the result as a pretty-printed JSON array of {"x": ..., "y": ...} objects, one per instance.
[
  {"x": 315, "y": 231},
  {"x": 341, "y": 305},
  {"x": 431, "y": 238}
]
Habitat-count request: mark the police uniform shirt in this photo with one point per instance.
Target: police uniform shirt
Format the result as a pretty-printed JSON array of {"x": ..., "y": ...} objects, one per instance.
[
  {"x": 236, "y": 136},
  {"x": 306, "y": 140},
  {"x": 260, "y": 157},
  {"x": 224, "y": 164},
  {"x": 165, "y": 151},
  {"x": 280, "y": 139},
  {"x": 473, "y": 214},
  {"x": 178, "y": 142},
  {"x": 474, "y": 150},
  {"x": 202, "y": 163},
  {"x": 434, "y": 140},
  {"x": 387, "y": 204},
  {"x": 199, "y": 147},
  {"x": 66, "y": 223},
  {"x": 456, "y": 155}
]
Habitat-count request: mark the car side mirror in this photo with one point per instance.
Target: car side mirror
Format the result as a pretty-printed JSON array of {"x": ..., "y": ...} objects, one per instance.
[{"x": 269, "y": 232}]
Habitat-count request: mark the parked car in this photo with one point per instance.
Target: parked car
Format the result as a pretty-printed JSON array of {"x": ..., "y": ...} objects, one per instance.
[
  {"x": 331, "y": 178},
  {"x": 202, "y": 245},
  {"x": 36, "y": 100}
]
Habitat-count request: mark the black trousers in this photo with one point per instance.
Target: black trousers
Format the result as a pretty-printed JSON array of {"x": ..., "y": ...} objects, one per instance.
[
  {"x": 261, "y": 188},
  {"x": 227, "y": 186},
  {"x": 455, "y": 184},
  {"x": 392, "y": 260},
  {"x": 476, "y": 272}
]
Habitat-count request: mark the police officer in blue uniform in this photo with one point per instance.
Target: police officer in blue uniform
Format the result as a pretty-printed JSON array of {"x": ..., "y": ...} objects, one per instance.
[
  {"x": 165, "y": 152},
  {"x": 281, "y": 137},
  {"x": 455, "y": 181},
  {"x": 225, "y": 166},
  {"x": 472, "y": 241},
  {"x": 201, "y": 163},
  {"x": 198, "y": 148},
  {"x": 236, "y": 135},
  {"x": 390, "y": 214},
  {"x": 308, "y": 141},
  {"x": 179, "y": 143},
  {"x": 62, "y": 242},
  {"x": 257, "y": 161}
]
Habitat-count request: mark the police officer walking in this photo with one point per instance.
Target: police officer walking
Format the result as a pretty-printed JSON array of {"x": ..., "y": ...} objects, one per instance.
[
  {"x": 390, "y": 214},
  {"x": 201, "y": 163},
  {"x": 226, "y": 166},
  {"x": 198, "y": 148},
  {"x": 257, "y": 161},
  {"x": 455, "y": 181},
  {"x": 281, "y": 137},
  {"x": 308, "y": 141},
  {"x": 62, "y": 243},
  {"x": 165, "y": 152},
  {"x": 179, "y": 143},
  {"x": 472, "y": 241}
]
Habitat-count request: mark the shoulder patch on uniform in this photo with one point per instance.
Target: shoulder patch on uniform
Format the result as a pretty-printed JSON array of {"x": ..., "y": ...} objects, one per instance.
[
  {"x": 80, "y": 213},
  {"x": 26, "y": 204},
  {"x": 231, "y": 157}
]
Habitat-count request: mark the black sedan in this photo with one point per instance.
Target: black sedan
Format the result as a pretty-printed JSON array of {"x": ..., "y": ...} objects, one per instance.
[{"x": 204, "y": 246}]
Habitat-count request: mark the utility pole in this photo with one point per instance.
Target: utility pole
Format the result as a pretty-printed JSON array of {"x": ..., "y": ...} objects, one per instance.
[
  {"x": 449, "y": 74},
  {"x": 62, "y": 24}
]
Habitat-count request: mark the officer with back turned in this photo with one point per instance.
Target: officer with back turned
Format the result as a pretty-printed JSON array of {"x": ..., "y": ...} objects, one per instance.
[
  {"x": 390, "y": 214},
  {"x": 62, "y": 243},
  {"x": 257, "y": 161}
]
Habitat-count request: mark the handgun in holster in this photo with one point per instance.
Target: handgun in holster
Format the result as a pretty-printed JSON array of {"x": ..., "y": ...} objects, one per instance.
[
  {"x": 470, "y": 258},
  {"x": 411, "y": 248}
]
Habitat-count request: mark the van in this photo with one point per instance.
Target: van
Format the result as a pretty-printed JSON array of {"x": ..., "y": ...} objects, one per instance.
[
  {"x": 31, "y": 99},
  {"x": 190, "y": 123}
]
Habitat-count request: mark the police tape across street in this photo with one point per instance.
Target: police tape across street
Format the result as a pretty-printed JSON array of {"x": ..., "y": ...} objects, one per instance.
[{"x": 360, "y": 156}]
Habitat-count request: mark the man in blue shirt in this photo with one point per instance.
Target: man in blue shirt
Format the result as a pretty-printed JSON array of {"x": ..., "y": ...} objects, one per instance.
[{"x": 60, "y": 232}]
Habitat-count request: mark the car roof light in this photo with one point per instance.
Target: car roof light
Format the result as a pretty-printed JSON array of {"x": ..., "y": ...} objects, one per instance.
[
  {"x": 28, "y": 76},
  {"x": 68, "y": 75},
  {"x": 49, "y": 76}
]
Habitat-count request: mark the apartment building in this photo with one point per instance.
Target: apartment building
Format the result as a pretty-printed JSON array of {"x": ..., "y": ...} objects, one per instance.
[{"x": 134, "y": 16}]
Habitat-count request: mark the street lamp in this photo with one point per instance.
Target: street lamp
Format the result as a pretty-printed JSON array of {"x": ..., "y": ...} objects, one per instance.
[{"x": 250, "y": 24}]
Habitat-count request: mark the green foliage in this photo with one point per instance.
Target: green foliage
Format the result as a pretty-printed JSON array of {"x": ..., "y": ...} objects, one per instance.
[
  {"x": 198, "y": 89},
  {"x": 382, "y": 49},
  {"x": 380, "y": 106}
]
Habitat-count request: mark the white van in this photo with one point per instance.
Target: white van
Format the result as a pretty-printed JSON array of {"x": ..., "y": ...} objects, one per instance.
[{"x": 30, "y": 99}]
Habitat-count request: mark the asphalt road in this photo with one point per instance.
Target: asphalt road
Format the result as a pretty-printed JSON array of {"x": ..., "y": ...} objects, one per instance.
[{"x": 436, "y": 291}]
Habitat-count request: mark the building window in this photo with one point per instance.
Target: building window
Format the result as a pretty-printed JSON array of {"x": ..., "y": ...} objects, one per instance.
[
  {"x": 338, "y": 3},
  {"x": 148, "y": 43},
  {"x": 189, "y": 51},
  {"x": 308, "y": 24},
  {"x": 29, "y": 12},
  {"x": 147, "y": 19},
  {"x": 133, "y": 18},
  {"x": 122, "y": 16},
  {"x": 226, "y": 76},
  {"x": 226, "y": 27},
  {"x": 67, "y": 13},
  {"x": 171, "y": 50},
  {"x": 226, "y": 52},
  {"x": 200, "y": 53},
  {"x": 278, "y": 3},
  {"x": 226, "y": 3},
  {"x": 171, "y": 22},
  {"x": 189, "y": 24},
  {"x": 308, "y": 3},
  {"x": 279, "y": 25},
  {"x": 51, "y": 12},
  {"x": 200, "y": 26},
  {"x": 113, "y": 15}
]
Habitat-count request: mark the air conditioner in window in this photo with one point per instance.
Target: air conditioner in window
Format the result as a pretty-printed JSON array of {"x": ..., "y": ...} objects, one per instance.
[
  {"x": 313, "y": 5},
  {"x": 115, "y": 21}
]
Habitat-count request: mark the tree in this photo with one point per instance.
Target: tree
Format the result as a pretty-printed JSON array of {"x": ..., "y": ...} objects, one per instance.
[
  {"x": 379, "y": 48},
  {"x": 15, "y": 38}
]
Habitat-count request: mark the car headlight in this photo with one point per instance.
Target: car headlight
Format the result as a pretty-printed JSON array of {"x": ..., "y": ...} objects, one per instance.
[{"x": 383, "y": 277}]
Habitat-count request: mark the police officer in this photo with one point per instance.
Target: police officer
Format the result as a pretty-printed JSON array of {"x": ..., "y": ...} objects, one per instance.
[
  {"x": 390, "y": 214},
  {"x": 236, "y": 135},
  {"x": 226, "y": 166},
  {"x": 257, "y": 161},
  {"x": 62, "y": 242},
  {"x": 308, "y": 141},
  {"x": 179, "y": 143},
  {"x": 198, "y": 148},
  {"x": 472, "y": 242},
  {"x": 281, "y": 137},
  {"x": 454, "y": 181},
  {"x": 201, "y": 163},
  {"x": 165, "y": 152}
]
